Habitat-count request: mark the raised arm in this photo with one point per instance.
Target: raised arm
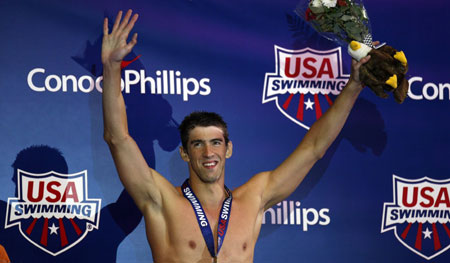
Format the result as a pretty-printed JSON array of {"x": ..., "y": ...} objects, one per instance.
[
  {"x": 274, "y": 186},
  {"x": 136, "y": 176}
]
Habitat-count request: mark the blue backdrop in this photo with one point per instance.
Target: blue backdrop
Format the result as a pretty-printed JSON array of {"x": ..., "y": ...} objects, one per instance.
[{"x": 215, "y": 56}]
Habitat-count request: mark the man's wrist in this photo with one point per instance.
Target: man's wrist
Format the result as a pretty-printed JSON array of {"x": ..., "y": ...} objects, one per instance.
[
  {"x": 354, "y": 85},
  {"x": 111, "y": 67}
]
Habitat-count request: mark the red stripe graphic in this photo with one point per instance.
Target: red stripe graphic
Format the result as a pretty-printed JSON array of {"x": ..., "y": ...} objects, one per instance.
[
  {"x": 44, "y": 232},
  {"x": 330, "y": 102},
  {"x": 288, "y": 101},
  {"x": 419, "y": 238},
  {"x": 437, "y": 243},
  {"x": 30, "y": 228},
  {"x": 301, "y": 105},
  {"x": 446, "y": 229},
  {"x": 75, "y": 226},
  {"x": 125, "y": 64},
  {"x": 62, "y": 231},
  {"x": 405, "y": 232},
  {"x": 318, "y": 109}
]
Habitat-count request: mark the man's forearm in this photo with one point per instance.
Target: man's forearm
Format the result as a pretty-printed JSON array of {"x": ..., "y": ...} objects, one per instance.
[
  {"x": 114, "y": 113},
  {"x": 285, "y": 178},
  {"x": 327, "y": 128}
]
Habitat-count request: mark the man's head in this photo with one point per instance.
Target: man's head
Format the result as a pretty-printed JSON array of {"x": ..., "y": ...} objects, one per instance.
[
  {"x": 206, "y": 145},
  {"x": 201, "y": 119}
]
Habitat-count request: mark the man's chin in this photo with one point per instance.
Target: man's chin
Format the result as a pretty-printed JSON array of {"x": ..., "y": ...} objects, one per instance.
[{"x": 209, "y": 179}]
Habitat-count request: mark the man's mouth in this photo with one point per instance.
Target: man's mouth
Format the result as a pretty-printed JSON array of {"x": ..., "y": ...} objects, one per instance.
[{"x": 211, "y": 164}]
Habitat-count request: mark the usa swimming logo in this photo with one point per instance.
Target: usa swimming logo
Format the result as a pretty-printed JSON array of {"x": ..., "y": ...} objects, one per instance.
[
  {"x": 305, "y": 83},
  {"x": 420, "y": 215},
  {"x": 52, "y": 210}
]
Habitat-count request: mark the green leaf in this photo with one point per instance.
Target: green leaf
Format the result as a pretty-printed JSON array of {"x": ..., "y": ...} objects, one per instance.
[
  {"x": 350, "y": 25},
  {"x": 317, "y": 10},
  {"x": 346, "y": 18},
  {"x": 336, "y": 29}
]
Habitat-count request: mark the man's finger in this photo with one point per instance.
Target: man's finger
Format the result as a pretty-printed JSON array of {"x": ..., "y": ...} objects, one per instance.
[
  {"x": 116, "y": 22},
  {"x": 105, "y": 26},
  {"x": 364, "y": 60},
  {"x": 125, "y": 19},
  {"x": 131, "y": 24},
  {"x": 133, "y": 42}
]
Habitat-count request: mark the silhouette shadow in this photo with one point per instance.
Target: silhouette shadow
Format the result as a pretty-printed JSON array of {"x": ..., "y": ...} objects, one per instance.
[
  {"x": 149, "y": 115},
  {"x": 150, "y": 119},
  {"x": 364, "y": 129},
  {"x": 97, "y": 244}
]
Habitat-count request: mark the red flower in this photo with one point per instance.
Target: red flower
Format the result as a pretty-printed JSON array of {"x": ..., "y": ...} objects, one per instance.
[
  {"x": 342, "y": 3},
  {"x": 309, "y": 15}
]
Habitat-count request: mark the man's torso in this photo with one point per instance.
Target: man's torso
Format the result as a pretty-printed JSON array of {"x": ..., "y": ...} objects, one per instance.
[{"x": 175, "y": 236}]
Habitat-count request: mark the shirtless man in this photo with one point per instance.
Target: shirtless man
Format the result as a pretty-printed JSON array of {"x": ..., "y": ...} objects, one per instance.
[{"x": 174, "y": 229}]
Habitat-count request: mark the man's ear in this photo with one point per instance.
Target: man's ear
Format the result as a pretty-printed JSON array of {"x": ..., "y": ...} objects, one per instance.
[
  {"x": 184, "y": 154},
  {"x": 229, "y": 150}
]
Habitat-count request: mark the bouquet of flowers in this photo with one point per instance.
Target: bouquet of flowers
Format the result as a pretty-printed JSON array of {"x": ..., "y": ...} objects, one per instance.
[{"x": 346, "y": 22}]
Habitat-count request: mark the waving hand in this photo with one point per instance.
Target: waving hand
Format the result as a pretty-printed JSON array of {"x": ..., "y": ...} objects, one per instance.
[{"x": 115, "y": 46}]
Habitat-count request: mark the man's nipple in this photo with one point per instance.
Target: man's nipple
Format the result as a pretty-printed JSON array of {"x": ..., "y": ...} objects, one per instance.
[{"x": 192, "y": 244}]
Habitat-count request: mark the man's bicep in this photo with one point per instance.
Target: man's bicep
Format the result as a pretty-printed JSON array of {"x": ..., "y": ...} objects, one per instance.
[
  {"x": 282, "y": 181},
  {"x": 263, "y": 190},
  {"x": 254, "y": 188},
  {"x": 134, "y": 172},
  {"x": 265, "y": 187}
]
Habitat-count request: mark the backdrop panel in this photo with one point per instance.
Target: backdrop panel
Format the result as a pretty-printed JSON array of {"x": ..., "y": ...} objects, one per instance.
[{"x": 380, "y": 194}]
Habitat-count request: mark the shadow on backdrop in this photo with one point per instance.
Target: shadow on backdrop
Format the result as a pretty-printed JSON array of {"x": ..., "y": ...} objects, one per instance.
[
  {"x": 364, "y": 129},
  {"x": 149, "y": 115},
  {"x": 117, "y": 219},
  {"x": 150, "y": 119}
]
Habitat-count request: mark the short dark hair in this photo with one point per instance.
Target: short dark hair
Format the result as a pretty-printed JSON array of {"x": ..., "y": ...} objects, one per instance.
[{"x": 201, "y": 119}]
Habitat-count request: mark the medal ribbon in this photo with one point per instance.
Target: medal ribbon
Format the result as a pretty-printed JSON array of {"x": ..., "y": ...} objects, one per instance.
[{"x": 203, "y": 220}]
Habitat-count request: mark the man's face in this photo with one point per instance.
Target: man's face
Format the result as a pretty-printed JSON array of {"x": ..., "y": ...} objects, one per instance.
[{"x": 206, "y": 153}]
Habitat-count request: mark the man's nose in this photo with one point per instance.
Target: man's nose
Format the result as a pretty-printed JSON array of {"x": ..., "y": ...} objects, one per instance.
[{"x": 207, "y": 151}]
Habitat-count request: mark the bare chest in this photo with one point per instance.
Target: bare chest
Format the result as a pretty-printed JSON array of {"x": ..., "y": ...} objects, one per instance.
[{"x": 186, "y": 237}]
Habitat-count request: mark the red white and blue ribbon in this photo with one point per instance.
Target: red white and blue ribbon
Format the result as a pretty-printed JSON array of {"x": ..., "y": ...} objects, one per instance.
[{"x": 203, "y": 220}]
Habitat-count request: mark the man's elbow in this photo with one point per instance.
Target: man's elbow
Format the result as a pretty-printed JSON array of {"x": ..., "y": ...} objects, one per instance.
[
  {"x": 319, "y": 152},
  {"x": 107, "y": 137},
  {"x": 114, "y": 140}
]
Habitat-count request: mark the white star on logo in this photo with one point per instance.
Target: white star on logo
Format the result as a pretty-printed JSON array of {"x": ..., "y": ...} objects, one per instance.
[
  {"x": 309, "y": 104},
  {"x": 427, "y": 233},
  {"x": 53, "y": 229}
]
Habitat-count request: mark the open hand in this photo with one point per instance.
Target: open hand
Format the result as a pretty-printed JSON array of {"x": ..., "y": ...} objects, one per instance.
[{"x": 114, "y": 45}]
